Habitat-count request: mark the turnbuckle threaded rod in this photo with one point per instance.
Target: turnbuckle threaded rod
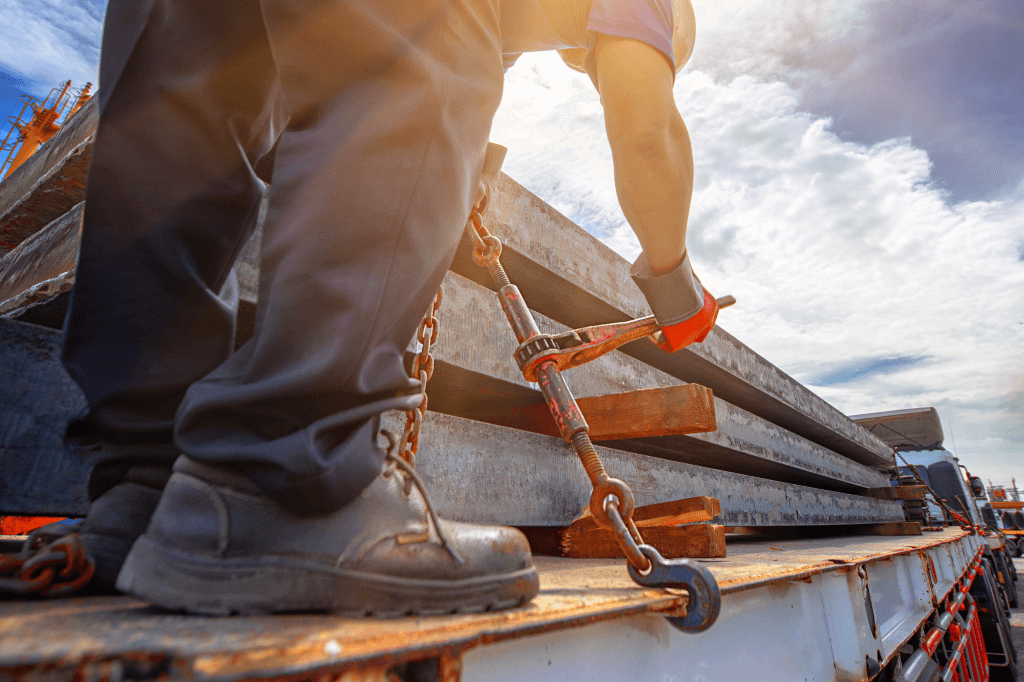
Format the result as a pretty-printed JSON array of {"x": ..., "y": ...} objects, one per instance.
[
  {"x": 583, "y": 446},
  {"x": 498, "y": 273},
  {"x": 611, "y": 503}
]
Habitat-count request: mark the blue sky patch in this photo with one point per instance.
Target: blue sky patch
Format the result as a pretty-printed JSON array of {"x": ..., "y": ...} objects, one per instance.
[{"x": 863, "y": 369}]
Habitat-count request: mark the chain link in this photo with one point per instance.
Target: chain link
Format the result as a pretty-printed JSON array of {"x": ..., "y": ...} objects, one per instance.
[
  {"x": 52, "y": 562},
  {"x": 422, "y": 370},
  {"x": 611, "y": 503}
]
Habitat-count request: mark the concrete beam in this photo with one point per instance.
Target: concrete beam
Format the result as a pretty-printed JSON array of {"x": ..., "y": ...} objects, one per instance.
[
  {"x": 43, "y": 257},
  {"x": 489, "y": 474},
  {"x": 563, "y": 272},
  {"x": 573, "y": 278},
  {"x": 475, "y": 372},
  {"x": 477, "y": 472},
  {"x": 50, "y": 182},
  {"x": 38, "y": 477}
]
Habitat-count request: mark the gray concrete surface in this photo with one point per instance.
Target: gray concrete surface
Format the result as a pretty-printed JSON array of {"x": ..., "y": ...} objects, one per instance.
[
  {"x": 491, "y": 474},
  {"x": 50, "y": 182}
]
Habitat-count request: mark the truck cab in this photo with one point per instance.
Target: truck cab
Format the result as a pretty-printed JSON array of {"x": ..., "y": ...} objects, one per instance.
[{"x": 956, "y": 497}]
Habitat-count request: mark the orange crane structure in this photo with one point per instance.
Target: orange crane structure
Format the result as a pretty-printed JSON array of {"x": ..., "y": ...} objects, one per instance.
[{"x": 30, "y": 132}]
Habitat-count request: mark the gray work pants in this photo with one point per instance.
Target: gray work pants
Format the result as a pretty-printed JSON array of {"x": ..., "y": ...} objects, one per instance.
[{"x": 388, "y": 107}]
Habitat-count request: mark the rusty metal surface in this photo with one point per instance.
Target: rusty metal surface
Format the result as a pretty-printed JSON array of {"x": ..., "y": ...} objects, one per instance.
[
  {"x": 490, "y": 474},
  {"x": 86, "y": 637},
  {"x": 571, "y": 277},
  {"x": 50, "y": 182},
  {"x": 77, "y": 635},
  {"x": 759, "y": 563}
]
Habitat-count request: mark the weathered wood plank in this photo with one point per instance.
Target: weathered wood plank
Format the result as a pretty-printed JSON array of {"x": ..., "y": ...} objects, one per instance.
[
  {"x": 697, "y": 541},
  {"x": 672, "y": 513},
  {"x": 670, "y": 411},
  {"x": 902, "y": 492}
]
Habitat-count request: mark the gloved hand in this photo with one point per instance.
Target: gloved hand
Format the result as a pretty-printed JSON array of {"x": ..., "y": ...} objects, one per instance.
[{"x": 682, "y": 306}]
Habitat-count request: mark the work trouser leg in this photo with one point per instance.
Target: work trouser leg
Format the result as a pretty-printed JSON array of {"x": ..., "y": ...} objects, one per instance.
[
  {"x": 185, "y": 110},
  {"x": 390, "y": 106}
]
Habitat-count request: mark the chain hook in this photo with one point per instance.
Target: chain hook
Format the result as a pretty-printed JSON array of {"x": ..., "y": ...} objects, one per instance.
[{"x": 704, "y": 598}]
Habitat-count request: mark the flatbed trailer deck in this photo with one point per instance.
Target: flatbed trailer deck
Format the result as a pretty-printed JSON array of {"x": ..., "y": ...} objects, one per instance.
[{"x": 799, "y": 609}]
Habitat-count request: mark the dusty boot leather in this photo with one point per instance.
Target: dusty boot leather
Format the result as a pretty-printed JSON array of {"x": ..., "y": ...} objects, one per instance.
[{"x": 216, "y": 545}]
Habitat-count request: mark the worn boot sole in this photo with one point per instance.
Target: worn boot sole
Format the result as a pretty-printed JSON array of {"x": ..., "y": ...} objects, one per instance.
[{"x": 177, "y": 581}]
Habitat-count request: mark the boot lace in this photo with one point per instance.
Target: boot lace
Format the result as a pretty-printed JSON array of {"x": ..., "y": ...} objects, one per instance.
[{"x": 395, "y": 463}]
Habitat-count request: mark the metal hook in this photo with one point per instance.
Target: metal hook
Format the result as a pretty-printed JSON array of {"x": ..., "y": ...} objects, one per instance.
[{"x": 705, "y": 600}]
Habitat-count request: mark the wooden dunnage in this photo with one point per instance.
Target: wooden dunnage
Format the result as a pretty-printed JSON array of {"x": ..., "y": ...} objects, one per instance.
[{"x": 669, "y": 411}]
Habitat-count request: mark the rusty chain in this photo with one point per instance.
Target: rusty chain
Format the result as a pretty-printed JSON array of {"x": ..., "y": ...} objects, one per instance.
[
  {"x": 51, "y": 563},
  {"x": 611, "y": 503},
  {"x": 422, "y": 370}
]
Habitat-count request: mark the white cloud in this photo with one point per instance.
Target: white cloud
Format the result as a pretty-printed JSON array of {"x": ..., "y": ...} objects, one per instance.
[
  {"x": 838, "y": 252},
  {"x": 47, "y": 42},
  {"x": 766, "y": 38}
]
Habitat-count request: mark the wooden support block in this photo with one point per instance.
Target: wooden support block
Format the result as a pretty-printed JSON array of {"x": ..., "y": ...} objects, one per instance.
[
  {"x": 660, "y": 525},
  {"x": 673, "y": 513},
  {"x": 1008, "y": 505},
  {"x": 697, "y": 541},
  {"x": 671, "y": 411},
  {"x": 902, "y": 492}
]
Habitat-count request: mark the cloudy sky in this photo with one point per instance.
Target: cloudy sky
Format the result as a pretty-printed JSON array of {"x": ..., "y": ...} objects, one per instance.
[{"x": 860, "y": 188}]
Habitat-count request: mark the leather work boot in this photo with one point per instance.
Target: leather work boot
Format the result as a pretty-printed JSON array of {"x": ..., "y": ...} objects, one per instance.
[
  {"x": 218, "y": 546},
  {"x": 115, "y": 521}
]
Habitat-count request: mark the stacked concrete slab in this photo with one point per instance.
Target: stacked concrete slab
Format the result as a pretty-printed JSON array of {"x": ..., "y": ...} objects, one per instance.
[{"x": 781, "y": 456}]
